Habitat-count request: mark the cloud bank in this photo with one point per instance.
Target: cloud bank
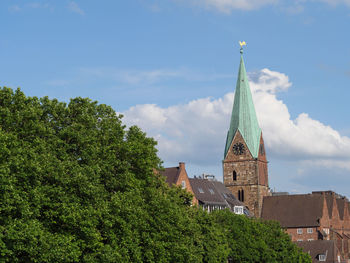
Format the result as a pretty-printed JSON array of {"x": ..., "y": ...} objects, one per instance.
[
  {"x": 227, "y": 6},
  {"x": 195, "y": 132}
]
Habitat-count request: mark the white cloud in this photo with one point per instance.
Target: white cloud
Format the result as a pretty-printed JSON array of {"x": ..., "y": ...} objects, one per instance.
[
  {"x": 196, "y": 131},
  {"x": 227, "y": 6},
  {"x": 74, "y": 7},
  {"x": 335, "y": 2},
  {"x": 290, "y": 7}
]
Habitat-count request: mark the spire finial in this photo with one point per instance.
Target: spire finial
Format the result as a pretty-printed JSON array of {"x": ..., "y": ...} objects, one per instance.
[{"x": 243, "y": 43}]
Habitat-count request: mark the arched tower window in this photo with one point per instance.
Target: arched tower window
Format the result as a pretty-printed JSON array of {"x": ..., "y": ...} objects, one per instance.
[
  {"x": 234, "y": 176},
  {"x": 241, "y": 195}
]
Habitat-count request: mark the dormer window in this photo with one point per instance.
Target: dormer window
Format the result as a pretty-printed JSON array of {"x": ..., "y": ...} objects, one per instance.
[
  {"x": 322, "y": 257},
  {"x": 238, "y": 210}
]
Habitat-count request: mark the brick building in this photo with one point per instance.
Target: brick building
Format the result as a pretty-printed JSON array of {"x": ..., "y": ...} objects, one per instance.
[
  {"x": 322, "y": 215},
  {"x": 245, "y": 170},
  {"x": 178, "y": 176},
  {"x": 322, "y": 251}
]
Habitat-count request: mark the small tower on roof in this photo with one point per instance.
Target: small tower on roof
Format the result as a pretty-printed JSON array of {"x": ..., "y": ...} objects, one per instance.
[{"x": 245, "y": 163}]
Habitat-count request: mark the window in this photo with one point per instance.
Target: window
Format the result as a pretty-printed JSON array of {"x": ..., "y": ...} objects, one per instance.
[
  {"x": 299, "y": 240},
  {"x": 326, "y": 230},
  {"x": 241, "y": 195},
  {"x": 322, "y": 257},
  {"x": 310, "y": 239},
  {"x": 200, "y": 190},
  {"x": 310, "y": 230},
  {"x": 211, "y": 191},
  {"x": 234, "y": 176},
  {"x": 299, "y": 231},
  {"x": 238, "y": 210},
  {"x": 183, "y": 184}
]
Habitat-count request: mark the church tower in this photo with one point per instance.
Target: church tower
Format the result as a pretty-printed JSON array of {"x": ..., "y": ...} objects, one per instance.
[{"x": 245, "y": 163}]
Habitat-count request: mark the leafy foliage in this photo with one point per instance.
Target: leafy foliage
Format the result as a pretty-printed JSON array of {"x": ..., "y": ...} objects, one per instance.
[
  {"x": 77, "y": 186},
  {"x": 253, "y": 240}
]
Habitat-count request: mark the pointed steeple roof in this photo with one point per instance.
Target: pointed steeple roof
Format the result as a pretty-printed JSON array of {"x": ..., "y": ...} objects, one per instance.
[{"x": 243, "y": 118}]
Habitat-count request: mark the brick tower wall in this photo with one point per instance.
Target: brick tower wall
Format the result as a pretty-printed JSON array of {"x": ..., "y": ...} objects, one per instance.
[{"x": 251, "y": 176}]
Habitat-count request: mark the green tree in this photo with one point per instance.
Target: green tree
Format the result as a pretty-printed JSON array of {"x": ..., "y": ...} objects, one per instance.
[
  {"x": 253, "y": 240},
  {"x": 77, "y": 186}
]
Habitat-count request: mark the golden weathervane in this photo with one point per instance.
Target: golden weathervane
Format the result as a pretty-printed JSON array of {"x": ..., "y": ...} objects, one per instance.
[{"x": 242, "y": 44}]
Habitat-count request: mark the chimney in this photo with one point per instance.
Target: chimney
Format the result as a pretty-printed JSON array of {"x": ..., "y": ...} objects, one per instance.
[{"x": 182, "y": 165}]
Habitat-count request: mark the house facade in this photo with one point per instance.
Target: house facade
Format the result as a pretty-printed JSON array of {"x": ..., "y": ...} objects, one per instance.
[{"x": 322, "y": 215}]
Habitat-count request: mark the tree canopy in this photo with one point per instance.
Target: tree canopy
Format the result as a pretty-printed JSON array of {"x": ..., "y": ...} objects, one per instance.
[{"x": 76, "y": 185}]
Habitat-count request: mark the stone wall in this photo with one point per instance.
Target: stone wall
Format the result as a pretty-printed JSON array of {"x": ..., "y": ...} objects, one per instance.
[{"x": 243, "y": 172}]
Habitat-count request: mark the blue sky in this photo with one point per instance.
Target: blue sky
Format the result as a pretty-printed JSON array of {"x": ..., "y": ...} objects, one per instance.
[{"x": 170, "y": 67}]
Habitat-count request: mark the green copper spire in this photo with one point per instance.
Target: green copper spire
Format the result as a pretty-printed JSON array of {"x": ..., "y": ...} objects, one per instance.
[{"x": 243, "y": 116}]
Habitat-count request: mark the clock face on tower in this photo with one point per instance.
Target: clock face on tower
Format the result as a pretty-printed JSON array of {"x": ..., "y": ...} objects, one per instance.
[{"x": 238, "y": 149}]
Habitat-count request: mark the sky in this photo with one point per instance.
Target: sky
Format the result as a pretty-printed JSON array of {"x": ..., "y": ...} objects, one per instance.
[{"x": 170, "y": 67}]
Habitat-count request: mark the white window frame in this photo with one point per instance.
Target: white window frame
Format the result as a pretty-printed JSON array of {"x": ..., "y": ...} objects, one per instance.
[
  {"x": 299, "y": 231},
  {"x": 238, "y": 210},
  {"x": 299, "y": 240},
  {"x": 310, "y": 230},
  {"x": 322, "y": 257},
  {"x": 310, "y": 239}
]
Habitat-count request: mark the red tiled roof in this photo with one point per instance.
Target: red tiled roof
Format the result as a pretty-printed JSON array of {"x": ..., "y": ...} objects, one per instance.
[
  {"x": 171, "y": 174},
  {"x": 293, "y": 210},
  {"x": 316, "y": 247}
]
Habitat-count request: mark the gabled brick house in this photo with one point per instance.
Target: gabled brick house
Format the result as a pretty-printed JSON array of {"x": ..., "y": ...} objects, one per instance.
[
  {"x": 320, "y": 215},
  {"x": 305, "y": 217},
  {"x": 178, "y": 176}
]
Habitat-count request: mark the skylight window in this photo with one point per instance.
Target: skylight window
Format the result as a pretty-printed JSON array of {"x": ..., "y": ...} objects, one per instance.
[
  {"x": 201, "y": 190},
  {"x": 211, "y": 191}
]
